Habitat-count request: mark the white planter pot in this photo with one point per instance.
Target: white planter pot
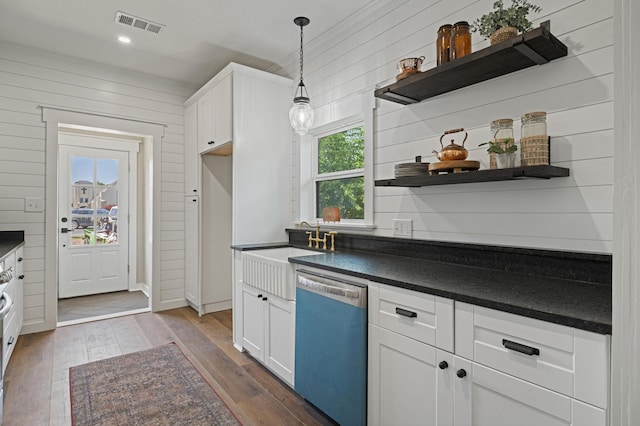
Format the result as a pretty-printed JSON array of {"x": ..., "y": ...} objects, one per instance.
[{"x": 506, "y": 161}]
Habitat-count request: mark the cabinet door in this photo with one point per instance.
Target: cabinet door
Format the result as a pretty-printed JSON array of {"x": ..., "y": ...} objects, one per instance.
[
  {"x": 223, "y": 111},
  {"x": 191, "y": 157},
  {"x": 253, "y": 321},
  {"x": 206, "y": 122},
  {"x": 280, "y": 336},
  {"x": 192, "y": 250},
  {"x": 403, "y": 376},
  {"x": 487, "y": 397}
]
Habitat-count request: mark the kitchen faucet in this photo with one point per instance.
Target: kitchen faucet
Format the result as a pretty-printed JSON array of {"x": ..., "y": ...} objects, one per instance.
[{"x": 317, "y": 238}]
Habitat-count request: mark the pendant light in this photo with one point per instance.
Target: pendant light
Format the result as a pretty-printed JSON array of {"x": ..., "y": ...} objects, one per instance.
[{"x": 301, "y": 113}]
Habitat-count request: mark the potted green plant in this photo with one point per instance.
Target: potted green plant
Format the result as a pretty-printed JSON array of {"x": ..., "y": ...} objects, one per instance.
[
  {"x": 503, "y": 23},
  {"x": 504, "y": 151}
]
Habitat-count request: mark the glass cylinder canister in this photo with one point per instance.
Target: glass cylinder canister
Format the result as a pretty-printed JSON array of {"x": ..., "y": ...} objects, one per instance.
[
  {"x": 443, "y": 44},
  {"x": 534, "y": 141},
  {"x": 501, "y": 133},
  {"x": 460, "y": 40}
]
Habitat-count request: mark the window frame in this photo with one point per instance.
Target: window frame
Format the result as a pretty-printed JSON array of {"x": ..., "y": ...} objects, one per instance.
[
  {"x": 343, "y": 174},
  {"x": 350, "y": 112}
]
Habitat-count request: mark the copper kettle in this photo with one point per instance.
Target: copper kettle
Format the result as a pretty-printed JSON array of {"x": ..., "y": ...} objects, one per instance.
[{"x": 452, "y": 151}]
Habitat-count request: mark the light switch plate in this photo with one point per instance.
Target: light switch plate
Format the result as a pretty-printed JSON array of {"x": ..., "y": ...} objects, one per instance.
[
  {"x": 403, "y": 228},
  {"x": 33, "y": 204}
]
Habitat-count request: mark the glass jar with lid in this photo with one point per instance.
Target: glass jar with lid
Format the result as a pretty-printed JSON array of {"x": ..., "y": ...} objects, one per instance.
[
  {"x": 443, "y": 44},
  {"x": 534, "y": 141},
  {"x": 460, "y": 43},
  {"x": 502, "y": 133}
]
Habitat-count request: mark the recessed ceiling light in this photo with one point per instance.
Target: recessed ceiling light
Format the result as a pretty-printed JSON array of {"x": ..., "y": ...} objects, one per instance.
[{"x": 124, "y": 39}]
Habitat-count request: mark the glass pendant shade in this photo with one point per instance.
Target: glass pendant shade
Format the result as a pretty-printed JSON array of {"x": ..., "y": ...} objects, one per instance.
[{"x": 301, "y": 115}]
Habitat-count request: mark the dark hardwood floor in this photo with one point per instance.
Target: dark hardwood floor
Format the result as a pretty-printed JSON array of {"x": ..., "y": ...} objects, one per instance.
[{"x": 36, "y": 383}]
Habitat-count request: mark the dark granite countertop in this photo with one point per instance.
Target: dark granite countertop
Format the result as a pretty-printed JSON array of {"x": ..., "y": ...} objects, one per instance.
[
  {"x": 576, "y": 304},
  {"x": 10, "y": 240}
]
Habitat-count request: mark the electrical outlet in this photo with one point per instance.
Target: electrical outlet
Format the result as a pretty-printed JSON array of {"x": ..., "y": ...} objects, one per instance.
[
  {"x": 403, "y": 228},
  {"x": 33, "y": 204}
]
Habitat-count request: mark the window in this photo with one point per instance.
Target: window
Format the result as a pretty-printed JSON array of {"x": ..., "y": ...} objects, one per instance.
[{"x": 339, "y": 172}]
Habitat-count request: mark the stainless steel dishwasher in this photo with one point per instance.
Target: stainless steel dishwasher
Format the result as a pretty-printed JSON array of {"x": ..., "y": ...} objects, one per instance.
[{"x": 331, "y": 346}]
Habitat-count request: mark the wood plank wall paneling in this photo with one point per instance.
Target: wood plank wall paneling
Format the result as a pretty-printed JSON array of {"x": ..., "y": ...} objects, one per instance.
[
  {"x": 29, "y": 78},
  {"x": 576, "y": 91}
]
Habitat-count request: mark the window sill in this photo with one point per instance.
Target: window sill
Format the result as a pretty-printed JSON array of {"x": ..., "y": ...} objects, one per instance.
[{"x": 340, "y": 225}]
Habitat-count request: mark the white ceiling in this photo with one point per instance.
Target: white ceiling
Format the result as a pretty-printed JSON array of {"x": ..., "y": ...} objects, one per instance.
[{"x": 200, "y": 37}]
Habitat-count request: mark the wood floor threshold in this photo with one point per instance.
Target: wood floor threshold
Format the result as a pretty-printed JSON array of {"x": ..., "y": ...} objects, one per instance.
[{"x": 40, "y": 362}]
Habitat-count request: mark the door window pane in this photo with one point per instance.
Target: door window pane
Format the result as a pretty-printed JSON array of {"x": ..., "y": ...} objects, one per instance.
[
  {"x": 94, "y": 201},
  {"x": 82, "y": 170}
]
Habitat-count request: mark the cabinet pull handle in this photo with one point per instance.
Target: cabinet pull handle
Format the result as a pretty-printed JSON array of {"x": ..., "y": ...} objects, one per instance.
[
  {"x": 519, "y": 347},
  {"x": 211, "y": 142},
  {"x": 21, "y": 277},
  {"x": 406, "y": 313},
  {"x": 461, "y": 373},
  {"x": 443, "y": 365},
  {"x": 260, "y": 296},
  {"x": 11, "y": 340},
  {"x": 264, "y": 298},
  {"x": 19, "y": 259}
]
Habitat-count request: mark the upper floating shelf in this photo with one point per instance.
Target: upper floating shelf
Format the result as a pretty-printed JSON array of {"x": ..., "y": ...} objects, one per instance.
[
  {"x": 487, "y": 175},
  {"x": 535, "y": 47}
]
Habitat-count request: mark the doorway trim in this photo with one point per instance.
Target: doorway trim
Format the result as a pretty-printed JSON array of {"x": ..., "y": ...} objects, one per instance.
[{"x": 152, "y": 133}]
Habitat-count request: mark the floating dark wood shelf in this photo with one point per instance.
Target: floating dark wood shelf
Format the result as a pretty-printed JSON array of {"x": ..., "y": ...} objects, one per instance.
[
  {"x": 535, "y": 47},
  {"x": 488, "y": 175}
]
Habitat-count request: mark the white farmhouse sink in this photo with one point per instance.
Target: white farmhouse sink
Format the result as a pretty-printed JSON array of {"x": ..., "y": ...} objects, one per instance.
[{"x": 269, "y": 270}]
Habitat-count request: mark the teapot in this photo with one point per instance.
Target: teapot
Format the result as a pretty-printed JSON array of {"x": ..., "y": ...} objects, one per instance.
[{"x": 452, "y": 151}]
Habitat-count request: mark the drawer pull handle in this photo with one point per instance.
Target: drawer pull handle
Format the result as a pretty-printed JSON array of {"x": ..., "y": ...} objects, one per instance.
[
  {"x": 443, "y": 365},
  {"x": 519, "y": 347},
  {"x": 406, "y": 313},
  {"x": 11, "y": 340}
]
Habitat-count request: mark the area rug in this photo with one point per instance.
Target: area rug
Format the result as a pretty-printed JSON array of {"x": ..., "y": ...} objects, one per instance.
[{"x": 158, "y": 386}]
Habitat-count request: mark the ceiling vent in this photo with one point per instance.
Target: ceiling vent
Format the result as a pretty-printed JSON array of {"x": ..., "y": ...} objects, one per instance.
[{"x": 133, "y": 21}]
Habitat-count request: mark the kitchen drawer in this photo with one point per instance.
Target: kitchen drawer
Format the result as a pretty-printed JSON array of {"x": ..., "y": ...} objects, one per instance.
[
  {"x": 421, "y": 316},
  {"x": 569, "y": 361}
]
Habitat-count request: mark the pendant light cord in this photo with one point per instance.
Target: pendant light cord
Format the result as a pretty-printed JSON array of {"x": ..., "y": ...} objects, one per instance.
[{"x": 301, "y": 55}]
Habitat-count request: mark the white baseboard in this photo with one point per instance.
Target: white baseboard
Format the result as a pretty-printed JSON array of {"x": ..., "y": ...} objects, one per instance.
[
  {"x": 217, "y": 306},
  {"x": 170, "y": 304}
]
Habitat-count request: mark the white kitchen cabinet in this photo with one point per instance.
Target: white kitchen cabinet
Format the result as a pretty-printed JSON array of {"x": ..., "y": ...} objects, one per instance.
[
  {"x": 12, "y": 324},
  {"x": 406, "y": 386},
  {"x": 484, "y": 396},
  {"x": 191, "y": 157},
  {"x": 245, "y": 112},
  {"x": 408, "y": 377},
  {"x": 192, "y": 250},
  {"x": 506, "y": 369},
  {"x": 215, "y": 116},
  {"x": 269, "y": 330}
]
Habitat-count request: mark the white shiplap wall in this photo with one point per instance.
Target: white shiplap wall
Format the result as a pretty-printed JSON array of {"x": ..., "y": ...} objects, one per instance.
[
  {"x": 576, "y": 91},
  {"x": 29, "y": 78}
]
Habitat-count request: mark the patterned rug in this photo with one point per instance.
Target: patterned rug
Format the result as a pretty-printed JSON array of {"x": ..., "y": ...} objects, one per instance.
[{"x": 157, "y": 386}]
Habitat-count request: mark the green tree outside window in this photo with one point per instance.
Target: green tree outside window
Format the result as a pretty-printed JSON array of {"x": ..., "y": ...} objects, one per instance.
[{"x": 341, "y": 152}]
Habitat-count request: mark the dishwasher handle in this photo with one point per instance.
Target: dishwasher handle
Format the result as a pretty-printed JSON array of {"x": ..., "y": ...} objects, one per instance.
[{"x": 338, "y": 290}]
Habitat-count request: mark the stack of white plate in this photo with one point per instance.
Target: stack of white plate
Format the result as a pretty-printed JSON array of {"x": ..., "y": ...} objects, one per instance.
[{"x": 411, "y": 169}]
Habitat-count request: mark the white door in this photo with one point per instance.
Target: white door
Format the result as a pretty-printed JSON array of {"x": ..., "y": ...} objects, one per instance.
[{"x": 93, "y": 221}]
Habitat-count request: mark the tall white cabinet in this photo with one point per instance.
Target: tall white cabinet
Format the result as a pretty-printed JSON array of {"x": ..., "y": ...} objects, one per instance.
[{"x": 237, "y": 175}]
